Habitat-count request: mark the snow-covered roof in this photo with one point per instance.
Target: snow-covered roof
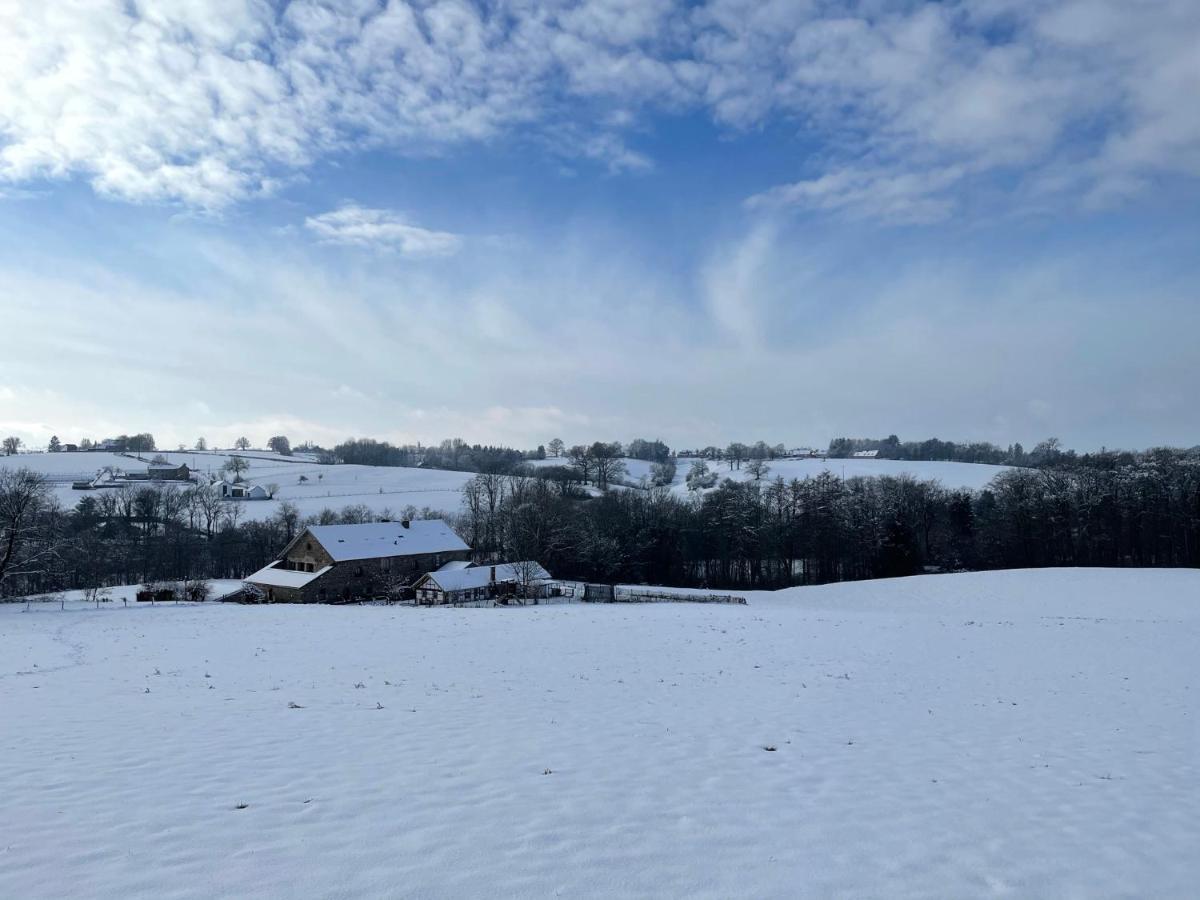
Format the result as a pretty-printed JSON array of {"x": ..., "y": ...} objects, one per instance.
[
  {"x": 455, "y": 564},
  {"x": 284, "y": 577},
  {"x": 374, "y": 540},
  {"x": 481, "y": 576}
]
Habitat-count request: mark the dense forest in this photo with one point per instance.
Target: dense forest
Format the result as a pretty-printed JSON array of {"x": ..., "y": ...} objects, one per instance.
[{"x": 1106, "y": 509}]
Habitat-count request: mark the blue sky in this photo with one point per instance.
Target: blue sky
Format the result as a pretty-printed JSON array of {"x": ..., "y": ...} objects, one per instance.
[{"x": 600, "y": 219}]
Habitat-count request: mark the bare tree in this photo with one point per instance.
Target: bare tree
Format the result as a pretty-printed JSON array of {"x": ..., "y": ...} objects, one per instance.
[
  {"x": 735, "y": 453},
  {"x": 29, "y": 536},
  {"x": 527, "y": 573},
  {"x": 699, "y": 476},
  {"x": 12, "y": 445},
  {"x": 556, "y": 447},
  {"x": 272, "y": 489},
  {"x": 581, "y": 458},
  {"x": 201, "y": 444},
  {"x": 281, "y": 445},
  {"x": 233, "y": 514},
  {"x": 237, "y": 465},
  {"x": 242, "y": 443},
  {"x": 606, "y": 459},
  {"x": 757, "y": 468},
  {"x": 97, "y": 594},
  {"x": 287, "y": 517},
  {"x": 210, "y": 506}
]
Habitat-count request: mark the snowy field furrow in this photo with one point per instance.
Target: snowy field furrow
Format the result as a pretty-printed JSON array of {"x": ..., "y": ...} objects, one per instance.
[{"x": 1027, "y": 734}]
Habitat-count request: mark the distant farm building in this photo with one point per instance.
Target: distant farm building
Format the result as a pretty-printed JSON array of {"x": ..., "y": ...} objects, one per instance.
[
  {"x": 169, "y": 473},
  {"x": 477, "y": 583},
  {"x": 242, "y": 491},
  {"x": 332, "y": 563},
  {"x": 865, "y": 454}
]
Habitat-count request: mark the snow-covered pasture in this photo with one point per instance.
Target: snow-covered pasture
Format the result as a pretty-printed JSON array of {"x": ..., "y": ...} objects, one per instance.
[
  {"x": 972, "y": 476},
  {"x": 387, "y": 489},
  {"x": 951, "y": 474},
  {"x": 1029, "y": 733},
  {"x": 379, "y": 488}
]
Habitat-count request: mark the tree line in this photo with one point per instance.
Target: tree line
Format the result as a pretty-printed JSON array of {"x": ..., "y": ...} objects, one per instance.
[
  {"x": 775, "y": 533},
  {"x": 1106, "y": 510}
]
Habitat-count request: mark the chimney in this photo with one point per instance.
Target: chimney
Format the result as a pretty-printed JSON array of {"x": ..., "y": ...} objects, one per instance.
[{"x": 404, "y": 522}]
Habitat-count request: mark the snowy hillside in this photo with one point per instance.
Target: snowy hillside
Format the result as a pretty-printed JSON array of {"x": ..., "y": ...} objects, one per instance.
[
  {"x": 951, "y": 474},
  {"x": 1024, "y": 733},
  {"x": 313, "y": 487},
  {"x": 333, "y": 487}
]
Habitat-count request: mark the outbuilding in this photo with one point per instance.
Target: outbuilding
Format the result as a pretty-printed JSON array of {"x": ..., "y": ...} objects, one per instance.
[{"x": 480, "y": 583}]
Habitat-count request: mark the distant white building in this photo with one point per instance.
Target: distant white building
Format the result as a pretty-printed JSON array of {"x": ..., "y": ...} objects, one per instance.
[
  {"x": 241, "y": 491},
  {"x": 865, "y": 454}
]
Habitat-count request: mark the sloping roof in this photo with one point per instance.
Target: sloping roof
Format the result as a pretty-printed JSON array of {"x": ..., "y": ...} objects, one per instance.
[
  {"x": 481, "y": 576},
  {"x": 284, "y": 577},
  {"x": 374, "y": 540},
  {"x": 455, "y": 564}
]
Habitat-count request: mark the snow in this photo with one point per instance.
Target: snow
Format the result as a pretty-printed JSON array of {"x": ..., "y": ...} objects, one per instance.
[
  {"x": 951, "y": 474},
  {"x": 125, "y": 593},
  {"x": 390, "y": 489},
  {"x": 379, "y": 488},
  {"x": 464, "y": 579},
  {"x": 373, "y": 540},
  {"x": 290, "y": 578},
  {"x": 1026, "y": 733}
]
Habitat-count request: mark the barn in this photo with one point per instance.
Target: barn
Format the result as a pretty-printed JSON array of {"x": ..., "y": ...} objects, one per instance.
[{"x": 340, "y": 563}]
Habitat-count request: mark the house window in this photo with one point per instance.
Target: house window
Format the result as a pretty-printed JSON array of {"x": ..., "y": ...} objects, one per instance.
[
  {"x": 308, "y": 546},
  {"x": 358, "y": 572}
]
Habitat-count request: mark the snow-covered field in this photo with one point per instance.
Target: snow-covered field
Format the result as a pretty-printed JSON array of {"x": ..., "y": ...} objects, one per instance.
[
  {"x": 951, "y": 474},
  {"x": 1027, "y": 734},
  {"x": 393, "y": 489},
  {"x": 326, "y": 487}
]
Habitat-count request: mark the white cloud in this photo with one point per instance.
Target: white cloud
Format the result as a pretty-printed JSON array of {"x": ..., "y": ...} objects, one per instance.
[
  {"x": 381, "y": 229},
  {"x": 914, "y": 103},
  {"x": 209, "y": 103}
]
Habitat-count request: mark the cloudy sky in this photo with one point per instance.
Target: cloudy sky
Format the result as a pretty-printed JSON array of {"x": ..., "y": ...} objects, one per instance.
[{"x": 515, "y": 220}]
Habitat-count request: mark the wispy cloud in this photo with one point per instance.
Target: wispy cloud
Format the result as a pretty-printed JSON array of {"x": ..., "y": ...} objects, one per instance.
[
  {"x": 381, "y": 229},
  {"x": 879, "y": 195}
]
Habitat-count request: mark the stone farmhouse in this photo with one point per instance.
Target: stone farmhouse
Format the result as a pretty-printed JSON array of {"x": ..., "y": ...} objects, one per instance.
[{"x": 338, "y": 563}]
